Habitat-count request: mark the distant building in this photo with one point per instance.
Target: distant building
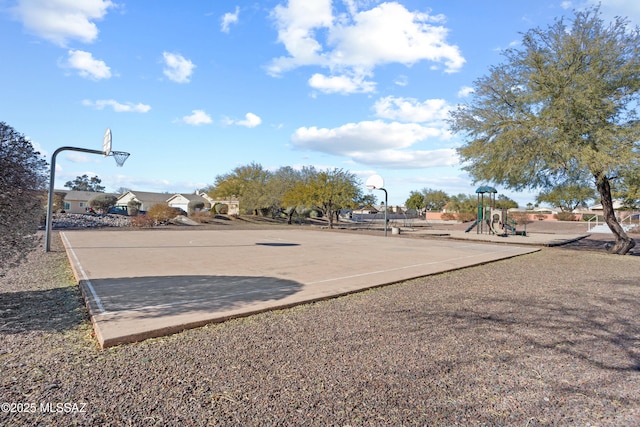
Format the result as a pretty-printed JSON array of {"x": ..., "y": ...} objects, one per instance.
[{"x": 78, "y": 201}]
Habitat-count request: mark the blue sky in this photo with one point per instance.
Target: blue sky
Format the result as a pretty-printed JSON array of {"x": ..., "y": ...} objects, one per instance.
[{"x": 194, "y": 89}]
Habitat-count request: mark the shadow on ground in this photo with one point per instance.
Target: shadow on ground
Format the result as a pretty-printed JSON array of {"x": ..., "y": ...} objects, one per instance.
[
  {"x": 171, "y": 295},
  {"x": 50, "y": 310}
]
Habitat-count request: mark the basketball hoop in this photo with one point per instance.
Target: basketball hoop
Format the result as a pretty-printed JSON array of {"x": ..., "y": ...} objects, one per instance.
[{"x": 120, "y": 157}]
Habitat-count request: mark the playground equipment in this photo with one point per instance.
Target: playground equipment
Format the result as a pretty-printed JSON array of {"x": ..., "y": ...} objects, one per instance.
[{"x": 490, "y": 219}]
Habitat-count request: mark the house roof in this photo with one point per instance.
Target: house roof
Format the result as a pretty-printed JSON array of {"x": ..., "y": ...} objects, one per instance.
[
  {"x": 148, "y": 196},
  {"x": 189, "y": 197},
  {"x": 83, "y": 195}
]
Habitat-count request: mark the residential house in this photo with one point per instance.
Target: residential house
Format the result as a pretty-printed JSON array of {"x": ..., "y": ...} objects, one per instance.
[
  {"x": 182, "y": 200},
  {"x": 146, "y": 199},
  {"x": 233, "y": 204},
  {"x": 177, "y": 200},
  {"x": 78, "y": 201}
]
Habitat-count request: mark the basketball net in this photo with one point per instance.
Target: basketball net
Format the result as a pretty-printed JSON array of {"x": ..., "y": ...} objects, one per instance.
[{"x": 120, "y": 157}]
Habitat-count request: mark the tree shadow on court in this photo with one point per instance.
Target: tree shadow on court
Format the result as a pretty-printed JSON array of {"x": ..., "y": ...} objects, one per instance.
[
  {"x": 49, "y": 310},
  {"x": 151, "y": 296}
]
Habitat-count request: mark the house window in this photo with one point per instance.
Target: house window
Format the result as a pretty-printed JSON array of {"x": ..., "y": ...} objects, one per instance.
[
  {"x": 67, "y": 206},
  {"x": 84, "y": 204}
]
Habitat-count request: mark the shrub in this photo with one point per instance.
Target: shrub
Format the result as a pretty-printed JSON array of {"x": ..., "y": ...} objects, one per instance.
[
  {"x": 448, "y": 216},
  {"x": 195, "y": 206},
  {"x": 133, "y": 207},
  {"x": 201, "y": 216},
  {"x": 565, "y": 216},
  {"x": 102, "y": 202},
  {"x": 221, "y": 208},
  {"x": 142, "y": 221},
  {"x": 466, "y": 216},
  {"x": 161, "y": 213},
  {"x": 520, "y": 218}
]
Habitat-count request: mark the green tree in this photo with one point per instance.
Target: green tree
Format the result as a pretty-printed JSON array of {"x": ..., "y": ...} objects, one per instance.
[
  {"x": 281, "y": 181},
  {"x": 628, "y": 189},
  {"x": 327, "y": 191},
  {"x": 435, "y": 200},
  {"x": 84, "y": 183},
  {"x": 23, "y": 177},
  {"x": 415, "y": 201},
  {"x": 463, "y": 203},
  {"x": 504, "y": 202},
  {"x": 563, "y": 104},
  {"x": 102, "y": 202},
  {"x": 568, "y": 196},
  {"x": 248, "y": 184},
  {"x": 366, "y": 199}
]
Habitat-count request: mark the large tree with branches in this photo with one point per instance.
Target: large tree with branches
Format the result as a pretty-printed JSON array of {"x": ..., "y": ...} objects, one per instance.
[
  {"x": 561, "y": 106},
  {"x": 23, "y": 178}
]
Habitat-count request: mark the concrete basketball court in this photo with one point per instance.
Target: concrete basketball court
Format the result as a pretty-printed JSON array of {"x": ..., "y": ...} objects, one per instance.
[{"x": 149, "y": 283}]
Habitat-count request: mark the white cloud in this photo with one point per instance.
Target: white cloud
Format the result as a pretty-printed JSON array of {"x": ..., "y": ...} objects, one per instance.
[
  {"x": 296, "y": 24},
  {"x": 625, "y": 8},
  {"x": 366, "y": 135},
  {"x": 228, "y": 19},
  {"x": 377, "y": 143},
  {"x": 177, "y": 67},
  {"x": 87, "y": 66},
  {"x": 250, "y": 120},
  {"x": 355, "y": 43},
  {"x": 395, "y": 159},
  {"x": 341, "y": 84},
  {"x": 412, "y": 110},
  {"x": 76, "y": 157},
  {"x": 401, "y": 80},
  {"x": 197, "y": 117},
  {"x": 118, "y": 107},
  {"x": 62, "y": 20},
  {"x": 465, "y": 91}
]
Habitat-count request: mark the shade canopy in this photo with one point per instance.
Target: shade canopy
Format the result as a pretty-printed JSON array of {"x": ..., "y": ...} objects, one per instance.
[{"x": 486, "y": 189}]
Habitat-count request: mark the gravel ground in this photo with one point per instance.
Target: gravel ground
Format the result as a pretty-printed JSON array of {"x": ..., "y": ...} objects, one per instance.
[
  {"x": 550, "y": 338},
  {"x": 75, "y": 221}
]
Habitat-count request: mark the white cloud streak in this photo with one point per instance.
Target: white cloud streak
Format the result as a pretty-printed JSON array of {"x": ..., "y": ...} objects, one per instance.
[
  {"x": 197, "y": 118},
  {"x": 177, "y": 67},
  {"x": 87, "y": 66},
  {"x": 60, "y": 21},
  {"x": 228, "y": 19},
  {"x": 250, "y": 121},
  {"x": 377, "y": 143},
  {"x": 412, "y": 110},
  {"x": 117, "y": 107}
]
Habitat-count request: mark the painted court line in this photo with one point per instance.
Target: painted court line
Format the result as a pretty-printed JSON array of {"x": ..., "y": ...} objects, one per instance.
[
  {"x": 406, "y": 267},
  {"x": 83, "y": 275}
]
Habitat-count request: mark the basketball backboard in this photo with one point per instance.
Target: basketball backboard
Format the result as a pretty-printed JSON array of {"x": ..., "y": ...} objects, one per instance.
[
  {"x": 374, "y": 182},
  {"x": 106, "y": 142}
]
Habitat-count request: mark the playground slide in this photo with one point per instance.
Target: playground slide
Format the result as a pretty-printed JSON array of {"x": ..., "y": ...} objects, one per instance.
[
  {"x": 473, "y": 224},
  {"x": 497, "y": 229}
]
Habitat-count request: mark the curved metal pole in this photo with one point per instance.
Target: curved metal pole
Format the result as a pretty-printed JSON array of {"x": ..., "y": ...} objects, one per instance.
[
  {"x": 47, "y": 236},
  {"x": 386, "y": 208}
]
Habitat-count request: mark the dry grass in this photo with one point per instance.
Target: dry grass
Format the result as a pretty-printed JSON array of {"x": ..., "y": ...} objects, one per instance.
[{"x": 550, "y": 338}]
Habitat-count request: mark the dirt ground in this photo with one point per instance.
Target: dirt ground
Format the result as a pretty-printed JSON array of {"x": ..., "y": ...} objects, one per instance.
[{"x": 550, "y": 338}]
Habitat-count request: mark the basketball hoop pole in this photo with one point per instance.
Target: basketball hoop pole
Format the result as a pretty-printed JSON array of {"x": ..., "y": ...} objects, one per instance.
[
  {"x": 375, "y": 182},
  {"x": 47, "y": 237}
]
